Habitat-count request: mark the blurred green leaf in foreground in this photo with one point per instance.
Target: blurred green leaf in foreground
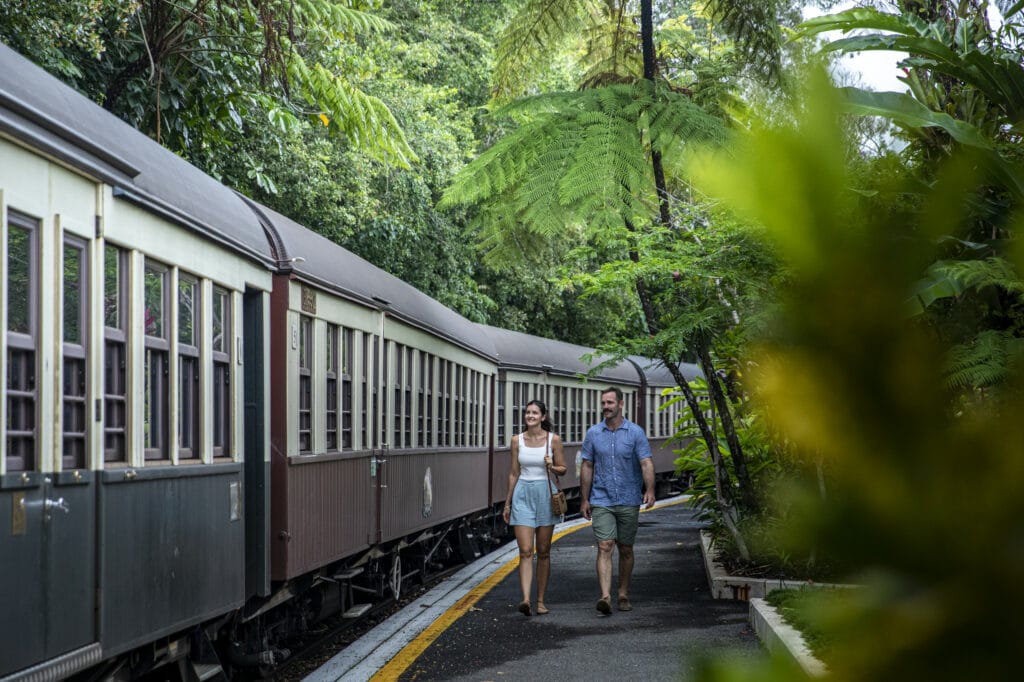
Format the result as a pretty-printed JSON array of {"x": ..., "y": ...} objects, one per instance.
[{"x": 926, "y": 492}]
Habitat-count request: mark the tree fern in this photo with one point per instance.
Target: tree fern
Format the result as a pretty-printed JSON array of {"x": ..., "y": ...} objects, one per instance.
[
  {"x": 583, "y": 158},
  {"x": 754, "y": 26},
  {"x": 985, "y": 361},
  {"x": 533, "y": 37}
]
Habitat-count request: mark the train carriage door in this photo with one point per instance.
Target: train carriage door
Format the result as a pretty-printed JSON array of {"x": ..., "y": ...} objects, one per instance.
[
  {"x": 257, "y": 464},
  {"x": 48, "y": 517}
]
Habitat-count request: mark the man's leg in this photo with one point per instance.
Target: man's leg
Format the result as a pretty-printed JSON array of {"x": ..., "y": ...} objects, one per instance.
[
  {"x": 626, "y": 521},
  {"x": 625, "y": 572},
  {"x": 604, "y": 532}
]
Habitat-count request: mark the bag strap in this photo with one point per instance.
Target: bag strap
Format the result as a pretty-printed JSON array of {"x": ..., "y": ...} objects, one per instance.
[{"x": 558, "y": 488}]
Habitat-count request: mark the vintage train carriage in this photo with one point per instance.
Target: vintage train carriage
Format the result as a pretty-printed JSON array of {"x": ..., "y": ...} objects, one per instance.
[
  {"x": 551, "y": 371},
  {"x": 380, "y": 428},
  {"x": 660, "y": 414},
  {"x": 133, "y": 296}
]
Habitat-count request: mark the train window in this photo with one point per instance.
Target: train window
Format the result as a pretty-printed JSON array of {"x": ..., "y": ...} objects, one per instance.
[
  {"x": 499, "y": 412},
  {"x": 346, "y": 388},
  {"x": 421, "y": 397},
  {"x": 517, "y": 406},
  {"x": 156, "y": 362},
  {"x": 221, "y": 352},
  {"x": 407, "y": 381},
  {"x": 385, "y": 436},
  {"x": 331, "y": 381},
  {"x": 22, "y": 274},
  {"x": 188, "y": 367},
  {"x": 305, "y": 385},
  {"x": 115, "y": 383},
  {"x": 364, "y": 421},
  {"x": 472, "y": 400},
  {"x": 460, "y": 407},
  {"x": 76, "y": 298},
  {"x": 431, "y": 390},
  {"x": 444, "y": 434},
  {"x": 398, "y": 403}
]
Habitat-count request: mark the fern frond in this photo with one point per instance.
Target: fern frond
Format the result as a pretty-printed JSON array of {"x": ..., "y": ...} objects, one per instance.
[
  {"x": 612, "y": 51},
  {"x": 978, "y": 274},
  {"x": 985, "y": 361},
  {"x": 754, "y": 26},
  {"x": 364, "y": 119},
  {"x": 533, "y": 38},
  {"x": 335, "y": 18}
]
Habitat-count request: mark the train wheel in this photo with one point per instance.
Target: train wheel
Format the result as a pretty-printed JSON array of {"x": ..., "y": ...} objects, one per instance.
[{"x": 395, "y": 577}]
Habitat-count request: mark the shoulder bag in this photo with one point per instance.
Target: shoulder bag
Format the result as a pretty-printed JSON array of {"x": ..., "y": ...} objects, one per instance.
[{"x": 558, "y": 504}]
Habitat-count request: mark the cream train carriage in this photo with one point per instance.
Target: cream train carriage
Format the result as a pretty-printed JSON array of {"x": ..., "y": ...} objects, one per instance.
[{"x": 134, "y": 301}]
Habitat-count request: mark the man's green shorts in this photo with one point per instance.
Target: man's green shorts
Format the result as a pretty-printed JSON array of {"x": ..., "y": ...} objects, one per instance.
[{"x": 616, "y": 523}]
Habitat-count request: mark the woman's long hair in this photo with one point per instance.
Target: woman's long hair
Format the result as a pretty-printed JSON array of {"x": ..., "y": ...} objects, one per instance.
[{"x": 545, "y": 423}]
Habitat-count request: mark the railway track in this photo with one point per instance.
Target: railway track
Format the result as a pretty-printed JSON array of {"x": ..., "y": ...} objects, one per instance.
[{"x": 315, "y": 648}]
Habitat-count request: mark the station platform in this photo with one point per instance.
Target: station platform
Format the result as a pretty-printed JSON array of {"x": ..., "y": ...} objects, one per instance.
[{"x": 468, "y": 628}]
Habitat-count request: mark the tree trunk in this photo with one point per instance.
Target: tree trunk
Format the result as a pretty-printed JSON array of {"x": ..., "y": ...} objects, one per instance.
[{"x": 748, "y": 496}]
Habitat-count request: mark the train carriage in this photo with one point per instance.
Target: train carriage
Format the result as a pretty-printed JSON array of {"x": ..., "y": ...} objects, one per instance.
[
  {"x": 216, "y": 426},
  {"x": 133, "y": 298},
  {"x": 661, "y": 416},
  {"x": 380, "y": 432},
  {"x": 551, "y": 371}
]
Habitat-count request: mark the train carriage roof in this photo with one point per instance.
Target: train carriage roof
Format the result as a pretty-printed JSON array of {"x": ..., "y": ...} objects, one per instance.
[
  {"x": 658, "y": 375},
  {"x": 47, "y": 115},
  {"x": 522, "y": 351},
  {"x": 321, "y": 262}
]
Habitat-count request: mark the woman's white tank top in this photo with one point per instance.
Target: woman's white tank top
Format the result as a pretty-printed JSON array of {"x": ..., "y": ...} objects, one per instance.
[{"x": 531, "y": 460}]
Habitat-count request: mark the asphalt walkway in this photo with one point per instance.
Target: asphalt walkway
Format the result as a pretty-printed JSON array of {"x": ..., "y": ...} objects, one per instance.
[{"x": 468, "y": 628}]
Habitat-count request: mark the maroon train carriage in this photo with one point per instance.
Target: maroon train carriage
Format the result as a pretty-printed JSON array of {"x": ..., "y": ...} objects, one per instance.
[
  {"x": 532, "y": 368},
  {"x": 661, "y": 416}
]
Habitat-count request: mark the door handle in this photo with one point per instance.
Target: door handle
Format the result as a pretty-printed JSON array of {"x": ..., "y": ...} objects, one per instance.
[{"x": 50, "y": 505}]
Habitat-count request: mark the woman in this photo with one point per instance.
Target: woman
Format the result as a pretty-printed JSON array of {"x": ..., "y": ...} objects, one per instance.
[{"x": 528, "y": 504}]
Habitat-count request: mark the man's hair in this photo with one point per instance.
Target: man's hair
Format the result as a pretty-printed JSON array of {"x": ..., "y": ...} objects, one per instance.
[{"x": 616, "y": 391}]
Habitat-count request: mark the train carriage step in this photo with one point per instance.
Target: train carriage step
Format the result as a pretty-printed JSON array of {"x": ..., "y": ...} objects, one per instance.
[
  {"x": 207, "y": 671},
  {"x": 357, "y": 610}
]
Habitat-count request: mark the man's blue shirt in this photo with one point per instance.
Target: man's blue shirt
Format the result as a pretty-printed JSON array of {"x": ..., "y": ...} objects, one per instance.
[{"x": 616, "y": 455}]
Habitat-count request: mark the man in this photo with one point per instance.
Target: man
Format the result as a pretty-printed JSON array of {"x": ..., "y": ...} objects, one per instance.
[{"x": 616, "y": 459}]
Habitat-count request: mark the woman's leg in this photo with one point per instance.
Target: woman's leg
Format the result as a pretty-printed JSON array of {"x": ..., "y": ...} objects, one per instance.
[
  {"x": 544, "y": 534},
  {"x": 524, "y": 538}
]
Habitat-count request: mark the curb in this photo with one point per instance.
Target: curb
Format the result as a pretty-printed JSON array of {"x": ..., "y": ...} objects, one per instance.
[
  {"x": 781, "y": 638},
  {"x": 725, "y": 586},
  {"x": 777, "y": 635}
]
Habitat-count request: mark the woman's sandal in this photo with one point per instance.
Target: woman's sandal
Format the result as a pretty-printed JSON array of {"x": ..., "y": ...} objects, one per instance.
[
  {"x": 524, "y": 608},
  {"x": 541, "y": 609}
]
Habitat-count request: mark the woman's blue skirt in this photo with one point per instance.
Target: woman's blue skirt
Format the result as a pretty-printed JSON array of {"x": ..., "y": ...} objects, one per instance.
[{"x": 531, "y": 504}]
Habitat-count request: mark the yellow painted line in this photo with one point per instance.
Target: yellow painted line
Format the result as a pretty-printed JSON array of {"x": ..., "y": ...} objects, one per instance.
[{"x": 408, "y": 655}]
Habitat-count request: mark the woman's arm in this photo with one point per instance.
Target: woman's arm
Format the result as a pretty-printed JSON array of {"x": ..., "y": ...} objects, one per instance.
[
  {"x": 557, "y": 459},
  {"x": 513, "y": 477}
]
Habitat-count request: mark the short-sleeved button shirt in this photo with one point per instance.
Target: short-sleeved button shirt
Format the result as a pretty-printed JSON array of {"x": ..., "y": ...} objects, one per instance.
[{"x": 618, "y": 479}]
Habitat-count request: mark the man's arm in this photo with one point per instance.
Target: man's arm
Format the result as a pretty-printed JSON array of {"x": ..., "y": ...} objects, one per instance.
[
  {"x": 586, "y": 480},
  {"x": 647, "y": 466}
]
